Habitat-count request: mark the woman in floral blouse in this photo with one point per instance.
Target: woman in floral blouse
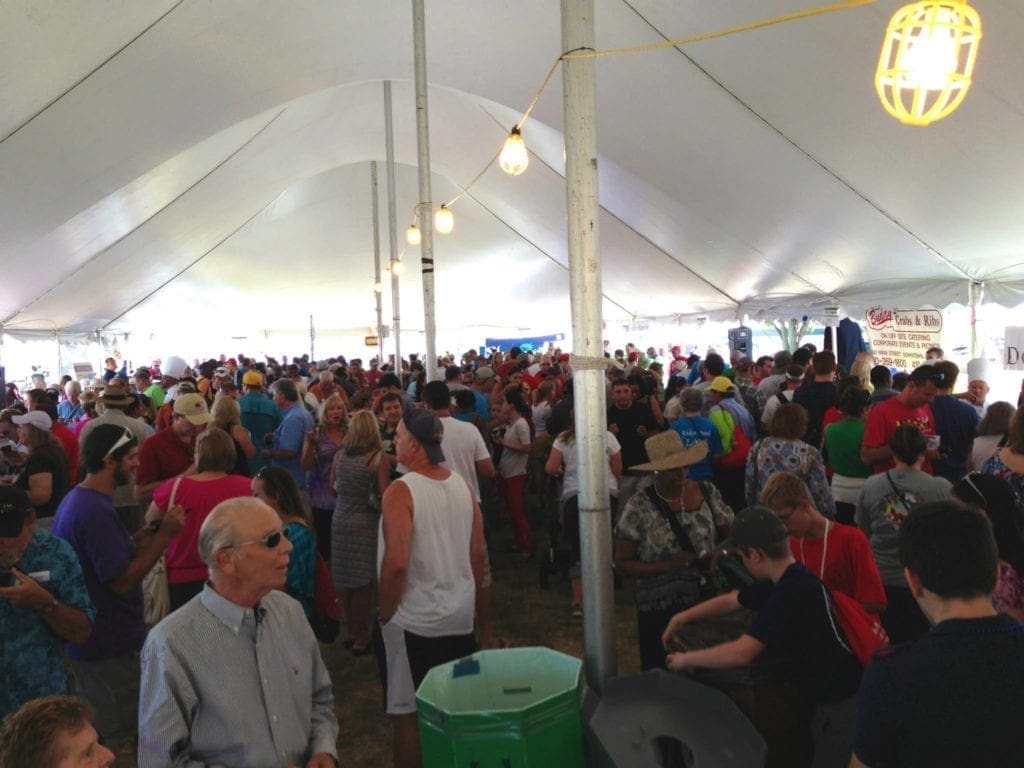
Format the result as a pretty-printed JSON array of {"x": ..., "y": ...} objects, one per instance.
[
  {"x": 668, "y": 573},
  {"x": 783, "y": 450}
]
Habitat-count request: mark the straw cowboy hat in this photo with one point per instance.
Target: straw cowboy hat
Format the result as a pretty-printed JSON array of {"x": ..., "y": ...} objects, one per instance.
[{"x": 666, "y": 451}]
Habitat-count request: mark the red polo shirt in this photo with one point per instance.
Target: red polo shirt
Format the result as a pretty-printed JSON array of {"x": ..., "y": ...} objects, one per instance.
[{"x": 162, "y": 456}]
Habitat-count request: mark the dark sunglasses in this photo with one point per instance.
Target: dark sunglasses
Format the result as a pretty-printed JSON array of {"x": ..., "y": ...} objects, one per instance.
[{"x": 270, "y": 541}]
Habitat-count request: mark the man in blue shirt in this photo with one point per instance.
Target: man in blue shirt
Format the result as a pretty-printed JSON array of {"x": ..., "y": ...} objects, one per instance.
[
  {"x": 259, "y": 415},
  {"x": 286, "y": 441},
  {"x": 43, "y": 604}
]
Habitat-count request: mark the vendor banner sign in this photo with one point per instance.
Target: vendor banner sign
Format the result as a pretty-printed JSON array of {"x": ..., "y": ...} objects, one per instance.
[
  {"x": 1013, "y": 349},
  {"x": 900, "y": 337}
]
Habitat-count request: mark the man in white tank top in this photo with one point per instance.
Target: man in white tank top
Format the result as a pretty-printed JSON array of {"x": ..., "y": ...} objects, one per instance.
[{"x": 430, "y": 561}]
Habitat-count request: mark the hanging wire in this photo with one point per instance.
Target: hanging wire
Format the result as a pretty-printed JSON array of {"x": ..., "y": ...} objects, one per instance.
[{"x": 584, "y": 53}]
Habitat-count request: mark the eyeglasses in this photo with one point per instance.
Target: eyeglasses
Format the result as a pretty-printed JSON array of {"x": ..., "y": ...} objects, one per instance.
[
  {"x": 270, "y": 541},
  {"x": 122, "y": 441}
]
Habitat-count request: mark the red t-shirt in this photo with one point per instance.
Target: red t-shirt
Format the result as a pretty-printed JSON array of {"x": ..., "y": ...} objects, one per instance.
[
  {"x": 849, "y": 566},
  {"x": 162, "y": 456},
  {"x": 69, "y": 442},
  {"x": 883, "y": 420}
]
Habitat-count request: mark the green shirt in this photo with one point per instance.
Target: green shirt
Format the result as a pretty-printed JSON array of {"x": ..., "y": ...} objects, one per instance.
[{"x": 842, "y": 447}]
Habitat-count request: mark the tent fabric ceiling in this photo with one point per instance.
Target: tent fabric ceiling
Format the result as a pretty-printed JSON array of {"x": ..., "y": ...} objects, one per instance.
[{"x": 181, "y": 154}]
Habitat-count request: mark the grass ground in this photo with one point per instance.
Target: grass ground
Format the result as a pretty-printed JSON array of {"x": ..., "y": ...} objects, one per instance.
[{"x": 524, "y": 614}]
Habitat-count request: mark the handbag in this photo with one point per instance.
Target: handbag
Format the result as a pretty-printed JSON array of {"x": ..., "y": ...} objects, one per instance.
[
  {"x": 710, "y": 584},
  {"x": 156, "y": 595},
  {"x": 737, "y": 456},
  {"x": 863, "y": 631}
]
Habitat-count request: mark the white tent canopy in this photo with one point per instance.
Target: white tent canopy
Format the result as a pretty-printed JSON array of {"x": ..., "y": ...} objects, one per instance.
[{"x": 207, "y": 164}]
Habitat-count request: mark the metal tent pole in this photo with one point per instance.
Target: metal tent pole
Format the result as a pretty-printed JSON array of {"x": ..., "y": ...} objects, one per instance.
[
  {"x": 392, "y": 228},
  {"x": 426, "y": 206},
  {"x": 378, "y": 289},
  {"x": 579, "y": 98}
]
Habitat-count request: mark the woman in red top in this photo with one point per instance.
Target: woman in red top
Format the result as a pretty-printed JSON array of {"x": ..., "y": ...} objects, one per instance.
[{"x": 198, "y": 493}]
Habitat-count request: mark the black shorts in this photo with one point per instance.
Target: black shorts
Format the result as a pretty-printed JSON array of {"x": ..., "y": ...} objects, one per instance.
[{"x": 408, "y": 657}]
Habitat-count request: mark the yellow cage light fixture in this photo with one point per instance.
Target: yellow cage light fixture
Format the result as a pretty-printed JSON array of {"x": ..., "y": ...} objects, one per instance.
[{"x": 927, "y": 59}]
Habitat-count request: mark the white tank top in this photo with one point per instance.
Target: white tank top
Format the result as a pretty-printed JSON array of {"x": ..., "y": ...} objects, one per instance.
[{"x": 440, "y": 592}]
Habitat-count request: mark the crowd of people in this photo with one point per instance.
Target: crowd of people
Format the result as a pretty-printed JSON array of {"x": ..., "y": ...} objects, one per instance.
[{"x": 789, "y": 514}]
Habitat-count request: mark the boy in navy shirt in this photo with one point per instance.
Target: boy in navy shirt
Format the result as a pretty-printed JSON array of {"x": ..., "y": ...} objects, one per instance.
[{"x": 803, "y": 646}]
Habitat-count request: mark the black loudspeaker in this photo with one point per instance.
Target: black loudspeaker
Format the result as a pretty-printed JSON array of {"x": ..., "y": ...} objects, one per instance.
[
  {"x": 658, "y": 719},
  {"x": 741, "y": 340}
]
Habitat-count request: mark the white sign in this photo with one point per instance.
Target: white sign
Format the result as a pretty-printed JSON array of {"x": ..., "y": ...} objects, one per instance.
[
  {"x": 900, "y": 337},
  {"x": 1013, "y": 349}
]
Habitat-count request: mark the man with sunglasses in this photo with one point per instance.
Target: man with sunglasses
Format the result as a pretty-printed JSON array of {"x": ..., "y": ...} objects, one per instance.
[
  {"x": 911, "y": 406},
  {"x": 235, "y": 678},
  {"x": 106, "y": 665}
]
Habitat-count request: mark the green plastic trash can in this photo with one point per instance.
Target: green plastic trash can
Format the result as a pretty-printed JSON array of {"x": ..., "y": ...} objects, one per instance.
[{"x": 511, "y": 708}]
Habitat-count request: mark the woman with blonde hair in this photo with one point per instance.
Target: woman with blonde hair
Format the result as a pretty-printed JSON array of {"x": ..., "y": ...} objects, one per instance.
[
  {"x": 318, "y": 451},
  {"x": 226, "y": 414},
  {"x": 861, "y": 368},
  {"x": 213, "y": 483},
  {"x": 360, "y": 477}
]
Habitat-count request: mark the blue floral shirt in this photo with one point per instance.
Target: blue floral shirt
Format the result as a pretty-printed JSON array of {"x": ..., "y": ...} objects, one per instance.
[{"x": 31, "y": 656}]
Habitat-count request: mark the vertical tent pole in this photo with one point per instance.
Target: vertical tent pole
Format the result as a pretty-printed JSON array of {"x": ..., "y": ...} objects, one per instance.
[
  {"x": 389, "y": 135},
  {"x": 426, "y": 206},
  {"x": 377, "y": 294},
  {"x": 579, "y": 98}
]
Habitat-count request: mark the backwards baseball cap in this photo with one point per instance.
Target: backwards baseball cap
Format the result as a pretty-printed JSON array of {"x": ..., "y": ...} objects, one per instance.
[
  {"x": 15, "y": 511},
  {"x": 252, "y": 379},
  {"x": 756, "y": 526},
  {"x": 222, "y": 371},
  {"x": 193, "y": 407},
  {"x": 38, "y": 419},
  {"x": 484, "y": 372},
  {"x": 427, "y": 428}
]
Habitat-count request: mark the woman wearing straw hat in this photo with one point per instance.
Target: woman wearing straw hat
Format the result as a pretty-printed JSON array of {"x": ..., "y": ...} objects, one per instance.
[{"x": 664, "y": 531}]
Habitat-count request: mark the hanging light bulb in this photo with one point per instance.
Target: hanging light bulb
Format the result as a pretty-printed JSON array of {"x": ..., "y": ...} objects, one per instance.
[
  {"x": 444, "y": 220},
  {"x": 514, "y": 158},
  {"x": 927, "y": 60},
  {"x": 397, "y": 268},
  {"x": 412, "y": 235}
]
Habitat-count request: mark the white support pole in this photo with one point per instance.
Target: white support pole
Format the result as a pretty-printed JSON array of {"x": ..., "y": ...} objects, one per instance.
[
  {"x": 377, "y": 295},
  {"x": 976, "y": 293},
  {"x": 426, "y": 206},
  {"x": 579, "y": 99},
  {"x": 389, "y": 135}
]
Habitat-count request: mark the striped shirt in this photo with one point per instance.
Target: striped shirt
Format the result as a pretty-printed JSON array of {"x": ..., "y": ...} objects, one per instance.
[{"x": 231, "y": 686}]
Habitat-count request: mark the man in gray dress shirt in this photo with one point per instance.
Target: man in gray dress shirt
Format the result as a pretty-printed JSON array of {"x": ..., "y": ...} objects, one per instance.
[{"x": 234, "y": 678}]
